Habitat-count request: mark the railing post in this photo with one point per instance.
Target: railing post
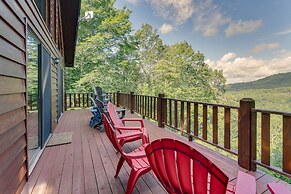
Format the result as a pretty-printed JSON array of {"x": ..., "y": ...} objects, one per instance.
[
  {"x": 132, "y": 102},
  {"x": 65, "y": 100},
  {"x": 245, "y": 133},
  {"x": 117, "y": 98},
  {"x": 161, "y": 110}
]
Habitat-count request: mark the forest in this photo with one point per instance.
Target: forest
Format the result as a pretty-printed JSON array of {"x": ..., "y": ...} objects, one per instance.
[{"x": 112, "y": 55}]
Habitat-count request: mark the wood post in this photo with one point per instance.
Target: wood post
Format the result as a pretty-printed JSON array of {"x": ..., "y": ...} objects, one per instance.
[
  {"x": 132, "y": 103},
  {"x": 286, "y": 144},
  {"x": 245, "y": 144},
  {"x": 161, "y": 110},
  {"x": 66, "y": 106},
  {"x": 117, "y": 98}
]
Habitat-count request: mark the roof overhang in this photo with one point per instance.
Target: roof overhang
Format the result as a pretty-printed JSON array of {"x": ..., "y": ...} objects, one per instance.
[{"x": 70, "y": 12}]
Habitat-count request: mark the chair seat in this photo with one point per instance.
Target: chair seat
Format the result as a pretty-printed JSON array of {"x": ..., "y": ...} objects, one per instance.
[
  {"x": 140, "y": 163},
  {"x": 277, "y": 188}
]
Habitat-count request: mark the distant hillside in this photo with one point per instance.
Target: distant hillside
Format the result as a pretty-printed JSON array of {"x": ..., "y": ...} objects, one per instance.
[{"x": 273, "y": 81}]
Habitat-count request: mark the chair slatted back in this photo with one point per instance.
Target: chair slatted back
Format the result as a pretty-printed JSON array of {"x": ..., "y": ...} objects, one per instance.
[
  {"x": 98, "y": 93},
  {"x": 113, "y": 115},
  {"x": 110, "y": 132},
  {"x": 182, "y": 169}
]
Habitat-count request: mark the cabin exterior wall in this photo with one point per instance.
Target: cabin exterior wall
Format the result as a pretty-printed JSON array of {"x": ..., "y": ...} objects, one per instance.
[{"x": 16, "y": 18}]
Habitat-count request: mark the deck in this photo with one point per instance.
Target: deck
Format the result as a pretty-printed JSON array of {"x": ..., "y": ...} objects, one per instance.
[{"x": 87, "y": 165}]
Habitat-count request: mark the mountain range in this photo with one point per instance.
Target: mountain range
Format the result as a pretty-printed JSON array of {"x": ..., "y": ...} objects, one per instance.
[{"x": 274, "y": 81}]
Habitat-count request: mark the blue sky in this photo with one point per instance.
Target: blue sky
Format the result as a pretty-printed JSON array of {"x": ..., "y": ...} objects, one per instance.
[{"x": 247, "y": 39}]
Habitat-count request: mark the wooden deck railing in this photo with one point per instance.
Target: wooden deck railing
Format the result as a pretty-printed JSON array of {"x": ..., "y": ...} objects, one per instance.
[
  {"x": 81, "y": 100},
  {"x": 77, "y": 100},
  {"x": 233, "y": 129},
  {"x": 264, "y": 116}
]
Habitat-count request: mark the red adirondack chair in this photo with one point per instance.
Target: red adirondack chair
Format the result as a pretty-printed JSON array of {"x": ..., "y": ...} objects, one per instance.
[
  {"x": 278, "y": 188},
  {"x": 182, "y": 169},
  {"x": 136, "y": 159},
  {"x": 122, "y": 129}
]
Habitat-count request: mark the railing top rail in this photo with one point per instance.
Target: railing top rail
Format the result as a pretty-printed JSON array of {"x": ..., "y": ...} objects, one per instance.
[
  {"x": 271, "y": 112},
  {"x": 203, "y": 103},
  {"x": 79, "y": 92},
  {"x": 145, "y": 96}
]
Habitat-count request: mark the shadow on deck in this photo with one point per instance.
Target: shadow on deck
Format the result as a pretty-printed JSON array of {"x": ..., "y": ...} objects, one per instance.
[{"x": 88, "y": 164}]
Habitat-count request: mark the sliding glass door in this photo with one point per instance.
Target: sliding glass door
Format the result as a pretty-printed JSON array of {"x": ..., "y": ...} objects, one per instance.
[{"x": 45, "y": 94}]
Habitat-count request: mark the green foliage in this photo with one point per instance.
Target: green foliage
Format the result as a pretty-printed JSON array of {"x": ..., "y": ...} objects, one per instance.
[
  {"x": 106, "y": 52},
  {"x": 273, "y": 81},
  {"x": 32, "y": 70},
  {"x": 182, "y": 73},
  {"x": 110, "y": 56}
]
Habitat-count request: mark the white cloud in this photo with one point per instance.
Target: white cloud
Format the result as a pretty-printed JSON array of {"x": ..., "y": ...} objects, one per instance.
[
  {"x": 166, "y": 28},
  {"x": 133, "y": 1},
  {"x": 241, "y": 27},
  {"x": 262, "y": 47},
  {"x": 284, "y": 53},
  {"x": 208, "y": 18},
  {"x": 177, "y": 10},
  {"x": 243, "y": 69},
  {"x": 284, "y": 32}
]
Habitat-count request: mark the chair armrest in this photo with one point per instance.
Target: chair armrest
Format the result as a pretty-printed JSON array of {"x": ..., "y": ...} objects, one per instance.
[
  {"x": 134, "y": 120},
  {"x": 129, "y": 134},
  {"x": 277, "y": 188},
  {"x": 129, "y": 128},
  {"x": 136, "y": 155},
  {"x": 245, "y": 184}
]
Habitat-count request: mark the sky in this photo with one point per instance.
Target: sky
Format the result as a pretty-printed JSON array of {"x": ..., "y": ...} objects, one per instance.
[{"x": 247, "y": 39}]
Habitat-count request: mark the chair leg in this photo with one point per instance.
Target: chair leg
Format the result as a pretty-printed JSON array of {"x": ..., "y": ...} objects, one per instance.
[
  {"x": 134, "y": 175},
  {"x": 120, "y": 163}
]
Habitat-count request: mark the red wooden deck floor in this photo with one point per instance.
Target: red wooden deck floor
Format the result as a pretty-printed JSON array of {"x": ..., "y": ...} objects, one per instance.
[{"x": 88, "y": 164}]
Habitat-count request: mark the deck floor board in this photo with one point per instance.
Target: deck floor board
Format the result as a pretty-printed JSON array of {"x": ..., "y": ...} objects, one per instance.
[{"x": 88, "y": 164}]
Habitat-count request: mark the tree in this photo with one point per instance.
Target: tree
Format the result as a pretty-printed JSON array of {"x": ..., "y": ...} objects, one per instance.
[
  {"x": 182, "y": 73},
  {"x": 106, "y": 52},
  {"x": 150, "y": 50}
]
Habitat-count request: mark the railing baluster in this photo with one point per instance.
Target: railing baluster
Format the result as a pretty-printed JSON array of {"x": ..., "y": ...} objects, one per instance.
[
  {"x": 143, "y": 105},
  {"x": 287, "y": 144},
  {"x": 83, "y": 99},
  {"x": 87, "y": 99},
  {"x": 266, "y": 138},
  {"x": 176, "y": 114},
  {"x": 155, "y": 109},
  {"x": 227, "y": 128},
  {"x": 196, "y": 119},
  {"x": 151, "y": 107},
  {"x": 66, "y": 105},
  {"x": 188, "y": 118},
  {"x": 148, "y": 106},
  {"x": 215, "y": 124},
  {"x": 204, "y": 126},
  {"x": 140, "y": 105},
  {"x": 79, "y": 100},
  {"x": 75, "y": 101},
  {"x": 253, "y": 139},
  {"x": 182, "y": 116},
  {"x": 170, "y": 112},
  {"x": 70, "y": 100}
]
